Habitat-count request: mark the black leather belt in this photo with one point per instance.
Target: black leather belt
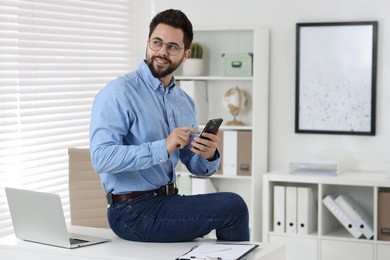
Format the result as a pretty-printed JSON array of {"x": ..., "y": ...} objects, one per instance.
[{"x": 168, "y": 189}]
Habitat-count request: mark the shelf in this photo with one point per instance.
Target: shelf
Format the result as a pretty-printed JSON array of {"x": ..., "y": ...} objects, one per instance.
[
  {"x": 217, "y": 42},
  {"x": 362, "y": 186},
  {"x": 311, "y": 235},
  {"x": 341, "y": 234}
]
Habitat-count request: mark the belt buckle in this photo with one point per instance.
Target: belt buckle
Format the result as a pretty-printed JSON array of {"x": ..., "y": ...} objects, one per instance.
[{"x": 165, "y": 190}]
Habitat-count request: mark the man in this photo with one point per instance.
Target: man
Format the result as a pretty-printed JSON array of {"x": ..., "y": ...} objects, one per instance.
[{"x": 141, "y": 125}]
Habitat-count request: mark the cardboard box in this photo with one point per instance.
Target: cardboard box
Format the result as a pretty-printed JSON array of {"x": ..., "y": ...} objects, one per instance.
[{"x": 238, "y": 64}]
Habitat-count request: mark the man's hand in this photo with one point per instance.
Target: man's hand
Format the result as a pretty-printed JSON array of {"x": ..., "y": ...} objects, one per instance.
[
  {"x": 207, "y": 146},
  {"x": 179, "y": 138}
]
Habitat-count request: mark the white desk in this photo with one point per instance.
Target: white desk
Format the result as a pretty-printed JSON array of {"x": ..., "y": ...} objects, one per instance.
[{"x": 117, "y": 249}]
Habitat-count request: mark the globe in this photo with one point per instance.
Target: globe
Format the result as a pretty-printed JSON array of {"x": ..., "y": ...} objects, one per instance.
[{"x": 234, "y": 101}]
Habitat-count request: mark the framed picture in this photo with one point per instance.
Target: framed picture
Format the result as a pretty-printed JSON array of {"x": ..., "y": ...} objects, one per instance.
[{"x": 336, "y": 78}]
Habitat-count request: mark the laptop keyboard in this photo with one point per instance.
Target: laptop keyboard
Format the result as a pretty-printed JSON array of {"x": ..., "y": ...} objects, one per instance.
[{"x": 74, "y": 241}]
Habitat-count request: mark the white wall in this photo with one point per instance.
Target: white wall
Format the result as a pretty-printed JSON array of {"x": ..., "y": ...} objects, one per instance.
[{"x": 366, "y": 152}]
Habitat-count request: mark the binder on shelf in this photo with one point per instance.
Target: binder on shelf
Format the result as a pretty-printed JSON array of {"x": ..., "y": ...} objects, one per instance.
[
  {"x": 291, "y": 210},
  {"x": 244, "y": 155},
  {"x": 197, "y": 89},
  {"x": 384, "y": 215},
  {"x": 358, "y": 215},
  {"x": 202, "y": 185},
  {"x": 230, "y": 146},
  {"x": 341, "y": 216},
  {"x": 306, "y": 211},
  {"x": 279, "y": 209},
  {"x": 184, "y": 183}
]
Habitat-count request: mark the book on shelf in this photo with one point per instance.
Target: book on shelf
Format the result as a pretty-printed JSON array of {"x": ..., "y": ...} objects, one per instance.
[
  {"x": 317, "y": 167},
  {"x": 333, "y": 207}
]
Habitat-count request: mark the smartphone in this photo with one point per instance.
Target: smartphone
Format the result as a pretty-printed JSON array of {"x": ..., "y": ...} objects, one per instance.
[{"x": 212, "y": 127}]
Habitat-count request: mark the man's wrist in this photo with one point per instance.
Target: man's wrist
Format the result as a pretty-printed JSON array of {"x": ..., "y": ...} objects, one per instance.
[{"x": 214, "y": 157}]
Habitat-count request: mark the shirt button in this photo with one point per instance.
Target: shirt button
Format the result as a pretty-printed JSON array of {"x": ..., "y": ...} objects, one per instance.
[{"x": 161, "y": 160}]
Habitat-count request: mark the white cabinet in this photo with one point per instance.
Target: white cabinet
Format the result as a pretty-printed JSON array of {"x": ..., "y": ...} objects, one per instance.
[
  {"x": 294, "y": 246},
  {"x": 383, "y": 251},
  {"x": 341, "y": 250},
  {"x": 247, "y": 40},
  {"x": 330, "y": 240}
]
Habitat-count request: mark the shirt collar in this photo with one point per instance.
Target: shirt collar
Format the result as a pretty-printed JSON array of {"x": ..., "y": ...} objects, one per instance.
[{"x": 151, "y": 81}]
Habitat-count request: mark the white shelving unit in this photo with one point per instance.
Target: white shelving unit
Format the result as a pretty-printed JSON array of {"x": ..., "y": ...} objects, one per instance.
[
  {"x": 240, "y": 40},
  {"x": 330, "y": 241}
]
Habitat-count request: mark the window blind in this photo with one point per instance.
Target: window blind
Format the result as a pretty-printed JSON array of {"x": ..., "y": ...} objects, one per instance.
[{"x": 54, "y": 57}]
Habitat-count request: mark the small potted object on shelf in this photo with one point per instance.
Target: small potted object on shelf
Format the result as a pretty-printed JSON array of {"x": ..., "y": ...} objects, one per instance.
[{"x": 193, "y": 66}]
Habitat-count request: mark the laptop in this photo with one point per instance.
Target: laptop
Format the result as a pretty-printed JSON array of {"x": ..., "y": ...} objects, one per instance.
[{"x": 39, "y": 217}]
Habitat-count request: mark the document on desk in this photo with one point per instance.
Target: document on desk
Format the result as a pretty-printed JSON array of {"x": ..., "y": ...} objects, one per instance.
[{"x": 219, "y": 251}]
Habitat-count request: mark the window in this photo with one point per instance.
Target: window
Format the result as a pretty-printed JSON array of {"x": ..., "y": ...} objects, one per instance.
[{"x": 54, "y": 57}]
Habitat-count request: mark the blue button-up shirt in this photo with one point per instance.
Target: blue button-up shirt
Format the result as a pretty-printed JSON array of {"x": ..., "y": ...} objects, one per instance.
[{"x": 131, "y": 118}]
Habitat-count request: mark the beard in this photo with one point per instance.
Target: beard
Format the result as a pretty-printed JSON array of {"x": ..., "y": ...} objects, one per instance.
[{"x": 160, "y": 72}]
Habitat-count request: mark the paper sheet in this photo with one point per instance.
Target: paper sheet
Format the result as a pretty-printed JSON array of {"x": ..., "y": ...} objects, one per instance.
[{"x": 218, "y": 251}]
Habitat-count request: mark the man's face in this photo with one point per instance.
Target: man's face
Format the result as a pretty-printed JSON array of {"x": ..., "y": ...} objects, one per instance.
[{"x": 161, "y": 63}]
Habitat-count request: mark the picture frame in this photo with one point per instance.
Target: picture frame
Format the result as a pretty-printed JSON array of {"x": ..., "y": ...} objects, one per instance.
[{"x": 336, "y": 78}]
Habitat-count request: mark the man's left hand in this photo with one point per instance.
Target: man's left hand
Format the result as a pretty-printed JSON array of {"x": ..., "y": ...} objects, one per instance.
[{"x": 206, "y": 146}]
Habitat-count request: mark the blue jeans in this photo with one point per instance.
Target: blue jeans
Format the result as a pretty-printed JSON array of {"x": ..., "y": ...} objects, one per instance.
[{"x": 174, "y": 218}]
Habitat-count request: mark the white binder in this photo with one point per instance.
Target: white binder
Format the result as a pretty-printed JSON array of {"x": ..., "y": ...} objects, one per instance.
[
  {"x": 358, "y": 215},
  {"x": 279, "y": 209},
  {"x": 291, "y": 210},
  {"x": 230, "y": 146},
  {"x": 341, "y": 216},
  {"x": 306, "y": 211}
]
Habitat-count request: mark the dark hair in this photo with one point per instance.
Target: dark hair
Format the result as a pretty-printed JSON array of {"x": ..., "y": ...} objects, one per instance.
[{"x": 177, "y": 19}]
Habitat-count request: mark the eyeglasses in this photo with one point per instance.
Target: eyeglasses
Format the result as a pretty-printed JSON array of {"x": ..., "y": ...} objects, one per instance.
[{"x": 172, "y": 48}]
